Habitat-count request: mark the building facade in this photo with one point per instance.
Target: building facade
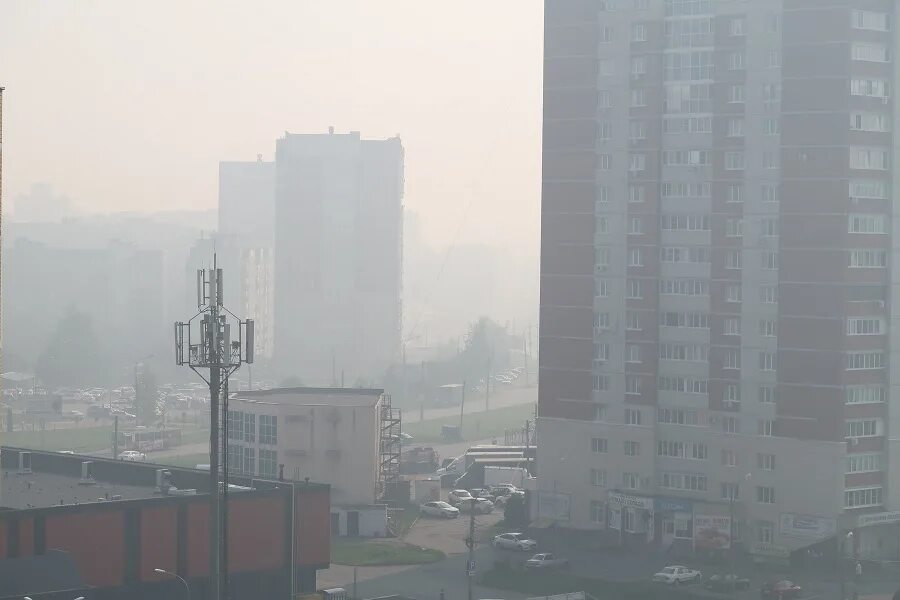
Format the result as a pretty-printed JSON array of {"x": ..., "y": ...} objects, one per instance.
[
  {"x": 338, "y": 257},
  {"x": 715, "y": 273}
]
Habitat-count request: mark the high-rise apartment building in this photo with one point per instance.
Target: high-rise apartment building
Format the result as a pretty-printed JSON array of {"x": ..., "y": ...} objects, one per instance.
[
  {"x": 338, "y": 241},
  {"x": 716, "y": 274}
]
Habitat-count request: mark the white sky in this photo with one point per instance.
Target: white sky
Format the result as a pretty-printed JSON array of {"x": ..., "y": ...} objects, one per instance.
[{"x": 129, "y": 105}]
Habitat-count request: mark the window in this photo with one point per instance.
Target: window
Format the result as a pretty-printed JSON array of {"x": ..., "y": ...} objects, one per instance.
[
  {"x": 687, "y": 125},
  {"x": 867, "y": 224},
  {"x": 731, "y": 425},
  {"x": 765, "y": 462},
  {"x": 632, "y": 321},
  {"x": 268, "y": 429},
  {"x": 862, "y": 497},
  {"x": 604, "y": 131},
  {"x": 770, "y": 261},
  {"x": 771, "y": 94},
  {"x": 632, "y": 448},
  {"x": 632, "y": 353},
  {"x": 628, "y": 520},
  {"x": 735, "y": 192},
  {"x": 767, "y": 328},
  {"x": 632, "y": 416},
  {"x": 767, "y": 394},
  {"x": 876, "y": 159},
  {"x": 604, "y": 162},
  {"x": 773, "y": 23},
  {"x": 601, "y": 383},
  {"x": 734, "y": 161},
  {"x": 602, "y": 288},
  {"x": 638, "y": 32},
  {"x": 235, "y": 423},
  {"x": 865, "y": 326},
  {"x": 765, "y": 427},
  {"x": 268, "y": 463},
  {"x": 601, "y": 257},
  {"x": 765, "y": 530},
  {"x": 604, "y": 99},
  {"x": 599, "y": 445},
  {"x": 631, "y": 481},
  {"x": 684, "y": 352},
  {"x": 637, "y": 162},
  {"x": 736, "y": 61},
  {"x": 679, "y": 8},
  {"x": 681, "y": 190},
  {"x": 730, "y": 491},
  {"x": 699, "y": 451},
  {"x": 636, "y": 193},
  {"x": 769, "y": 192},
  {"x": 602, "y": 321},
  {"x": 734, "y": 227},
  {"x": 607, "y": 67},
  {"x": 606, "y": 35},
  {"x": 858, "y": 428},
  {"x": 733, "y": 293},
  {"x": 865, "y": 394},
  {"x": 867, "y": 121},
  {"x": 736, "y": 26},
  {"x": 684, "y": 287},
  {"x": 680, "y": 254},
  {"x": 876, "y": 88},
  {"x": 598, "y": 512},
  {"x": 863, "y": 463},
  {"x": 770, "y": 160},
  {"x": 685, "y": 158},
  {"x": 633, "y": 387},
  {"x": 635, "y": 226},
  {"x": 601, "y": 352},
  {"x": 868, "y": 259},
  {"x": 600, "y": 412},
  {"x": 603, "y": 194},
  {"x": 248, "y": 462},
  {"x": 688, "y": 33},
  {"x": 771, "y": 127},
  {"x": 677, "y": 416},
  {"x": 767, "y": 361},
  {"x": 733, "y": 259},
  {"x": 687, "y": 98},
  {"x": 765, "y": 494},
  {"x": 683, "y": 481},
  {"x": 641, "y": 4},
  {"x": 769, "y": 227},
  {"x": 690, "y": 65},
  {"x": 637, "y": 130},
  {"x": 693, "y": 320},
  {"x": 633, "y": 289},
  {"x": 870, "y": 52},
  {"x": 732, "y": 326},
  {"x": 768, "y": 294},
  {"x": 732, "y": 394},
  {"x": 729, "y": 458},
  {"x": 774, "y": 59},
  {"x": 684, "y": 222},
  {"x": 602, "y": 225},
  {"x": 736, "y": 127},
  {"x": 670, "y": 449},
  {"x": 868, "y": 188},
  {"x": 865, "y": 360},
  {"x": 598, "y": 477},
  {"x": 638, "y": 97},
  {"x": 736, "y": 94},
  {"x": 871, "y": 20},
  {"x": 688, "y": 385},
  {"x": 635, "y": 258}
]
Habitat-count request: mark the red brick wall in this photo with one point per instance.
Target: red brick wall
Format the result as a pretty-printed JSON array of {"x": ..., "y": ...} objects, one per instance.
[{"x": 96, "y": 542}]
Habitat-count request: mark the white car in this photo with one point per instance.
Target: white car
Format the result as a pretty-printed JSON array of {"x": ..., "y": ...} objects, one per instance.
[
  {"x": 513, "y": 541},
  {"x": 439, "y": 509},
  {"x": 133, "y": 455},
  {"x": 546, "y": 561},
  {"x": 457, "y": 496},
  {"x": 677, "y": 574},
  {"x": 482, "y": 506}
]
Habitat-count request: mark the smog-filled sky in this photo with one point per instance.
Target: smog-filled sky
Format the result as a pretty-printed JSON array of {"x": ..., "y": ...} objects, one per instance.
[{"x": 126, "y": 106}]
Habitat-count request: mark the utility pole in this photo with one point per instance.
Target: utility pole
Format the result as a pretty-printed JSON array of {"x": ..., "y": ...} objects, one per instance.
[
  {"x": 1, "y": 186},
  {"x": 217, "y": 352},
  {"x": 462, "y": 406},
  {"x": 470, "y": 542},
  {"x": 115, "y": 440}
]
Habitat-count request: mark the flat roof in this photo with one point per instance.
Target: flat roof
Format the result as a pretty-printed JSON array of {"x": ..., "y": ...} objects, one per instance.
[
  {"x": 42, "y": 490},
  {"x": 309, "y": 396}
]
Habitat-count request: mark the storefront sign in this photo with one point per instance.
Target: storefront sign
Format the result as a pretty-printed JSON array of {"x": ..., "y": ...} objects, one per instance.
[
  {"x": 678, "y": 505},
  {"x": 630, "y": 501},
  {"x": 712, "y": 532},
  {"x": 772, "y": 550},
  {"x": 807, "y": 526},
  {"x": 883, "y": 518}
]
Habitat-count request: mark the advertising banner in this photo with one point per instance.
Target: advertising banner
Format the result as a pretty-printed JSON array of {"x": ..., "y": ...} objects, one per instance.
[
  {"x": 807, "y": 526},
  {"x": 553, "y": 506},
  {"x": 712, "y": 532}
]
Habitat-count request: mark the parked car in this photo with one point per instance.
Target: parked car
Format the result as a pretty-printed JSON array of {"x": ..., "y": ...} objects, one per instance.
[
  {"x": 513, "y": 541},
  {"x": 676, "y": 574},
  {"x": 482, "y": 506},
  {"x": 725, "y": 583},
  {"x": 133, "y": 455},
  {"x": 439, "y": 509},
  {"x": 457, "y": 496},
  {"x": 780, "y": 590},
  {"x": 482, "y": 493},
  {"x": 546, "y": 561}
]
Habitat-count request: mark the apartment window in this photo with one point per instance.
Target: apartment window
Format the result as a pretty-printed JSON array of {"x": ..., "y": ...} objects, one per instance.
[
  {"x": 684, "y": 8},
  {"x": 684, "y": 287},
  {"x": 771, "y": 127},
  {"x": 732, "y": 394},
  {"x": 248, "y": 462},
  {"x": 729, "y": 458},
  {"x": 687, "y": 125},
  {"x": 770, "y": 160},
  {"x": 631, "y": 481},
  {"x": 602, "y": 225},
  {"x": 633, "y": 289},
  {"x": 635, "y": 258},
  {"x": 637, "y": 130},
  {"x": 599, "y": 445},
  {"x": 736, "y": 61},
  {"x": 604, "y": 99},
  {"x": 602, "y": 320},
  {"x": 677, "y": 416},
  {"x": 768, "y": 294},
  {"x": 870, "y": 20},
  {"x": 865, "y": 394},
  {"x": 774, "y": 59},
  {"x": 875, "y": 159},
  {"x": 268, "y": 429},
  {"x": 680, "y": 190},
  {"x": 769, "y": 227},
  {"x": 638, "y": 162},
  {"x": 735, "y": 127},
  {"x": 603, "y": 194},
  {"x": 734, "y": 227},
  {"x": 632, "y": 448},
  {"x": 602, "y": 288},
  {"x": 865, "y": 360},
  {"x": 767, "y": 361},
  {"x": 858, "y": 428},
  {"x": 268, "y": 463},
  {"x": 732, "y": 326},
  {"x": 632, "y": 416},
  {"x": 606, "y": 35},
  {"x": 731, "y": 424},
  {"x": 598, "y": 512},
  {"x": 601, "y": 351},
  {"x": 604, "y": 162},
  {"x": 684, "y": 222},
  {"x": 868, "y": 259},
  {"x": 736, "y": 26},
  {"x": 601, "y": 257},
  {"x": 875, "y": 88},
  {"x": 733, "y": 259},
  {"x": 683, "y": 481},
  {"x": 641, "y": 4},
  {"x": 765, "y": 427},
  {"x": 773, "y": 23},
  {"x": 686, "y": 98},
  {"x": 730, "y": 491},
  {"x": 636, "y": 193},
  {"x": 632, "y": 321},
  {"x": 607, "y": 67},
  {"x": 868, "y": 188},
  {"x": 682, "y": 254},
  {"x": 600, "y": 412},
  {"x": 635, "y": 226},
  {"x": 638, "y": 97},
  {"x": 865, "y": 326},
  {"x": 734, "y": 161},
  {"x": 685, "y": 158},
  {"x": 736, "y": 94},
  {"x": 684, "y": 352},
  {"x": 693, "y": 65},
  {"x": 601, "y": 383},
  {"x": 769, "y": 192},
  {"x": 770, "y": 261},
  {"x": 862, "y": 497},
  {"x": 870, "y": 52},
  {"x": 733, "y": 293},
  {"x": 766, "y": 394},
  {"x": 633, "y": 387},
  {"x": 771, "y": 94},
  {"x": 863, "y": 463},
  {"x": 639, "y": 32},
  {"x": 693, "y": 320},
  {"x": 598, "y": 477},
  {"x": 765, "y": 494},
  {"x": 235, "y": 421},
  {"x": 688, "y": 385},
  {"x": 670, "y": 449},
  {"x": 632, "y": 353},
  {"x": 768, "y": 328},
  {"x": 765, "y": 462},
  {"x": 867, "y": 121},
  {"x": 765, "y": 530},
  {"x": 867, "y": 224},
  {"x": 604, "y": 131},
  {"x": 699, "y": 451},
  {"x": 735, "y": 192}
]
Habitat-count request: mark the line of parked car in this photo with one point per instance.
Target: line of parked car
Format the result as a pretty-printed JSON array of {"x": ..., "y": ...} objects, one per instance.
[
  {"x": 783, "y": 589},
  {"x": 480, "y": 500}
]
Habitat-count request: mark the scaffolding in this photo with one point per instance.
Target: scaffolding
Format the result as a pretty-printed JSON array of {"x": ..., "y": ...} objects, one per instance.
[{"x": 390, "y": 427}]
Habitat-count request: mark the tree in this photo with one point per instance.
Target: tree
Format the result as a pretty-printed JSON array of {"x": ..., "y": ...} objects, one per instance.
[
  {"x": 73, "y": 355},
  {"x": 514, "y": 514}
]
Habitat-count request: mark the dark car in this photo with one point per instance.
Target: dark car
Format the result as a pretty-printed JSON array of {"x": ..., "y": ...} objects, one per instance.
[
  {"x": 724, "y": 583},
  {"x": 780, "y": 590}
]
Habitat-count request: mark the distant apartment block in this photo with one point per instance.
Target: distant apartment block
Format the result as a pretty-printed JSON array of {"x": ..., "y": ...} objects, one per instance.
[{"x": 716, "y": 274}]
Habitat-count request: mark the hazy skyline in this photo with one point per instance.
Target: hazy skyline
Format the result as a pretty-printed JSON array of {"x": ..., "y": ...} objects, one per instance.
[{"x": 128, "y": 106}]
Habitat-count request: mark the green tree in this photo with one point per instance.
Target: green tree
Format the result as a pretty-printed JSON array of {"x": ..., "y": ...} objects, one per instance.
[{"x": 73, "y": 355}]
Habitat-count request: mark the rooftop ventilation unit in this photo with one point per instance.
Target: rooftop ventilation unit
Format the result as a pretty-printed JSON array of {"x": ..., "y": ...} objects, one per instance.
[{"x": 87, "y": 473}]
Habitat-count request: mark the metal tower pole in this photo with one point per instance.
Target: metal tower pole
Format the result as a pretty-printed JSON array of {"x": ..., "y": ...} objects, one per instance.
[{"x": 215, "y": 384}]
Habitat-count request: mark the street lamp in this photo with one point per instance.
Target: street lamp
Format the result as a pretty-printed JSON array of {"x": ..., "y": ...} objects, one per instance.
[
  {"x": 842, "y": 560},
  {"x": 187, "y": 589}
]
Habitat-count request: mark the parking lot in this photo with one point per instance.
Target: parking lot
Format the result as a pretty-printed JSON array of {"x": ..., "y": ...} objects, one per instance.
[{"x": 449, "y": 535}]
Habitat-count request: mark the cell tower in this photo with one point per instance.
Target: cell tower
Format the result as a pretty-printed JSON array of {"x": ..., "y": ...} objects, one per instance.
[{"x": 217, "y": 351}]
